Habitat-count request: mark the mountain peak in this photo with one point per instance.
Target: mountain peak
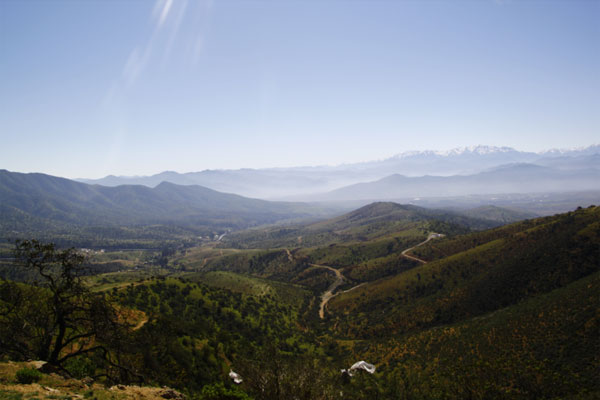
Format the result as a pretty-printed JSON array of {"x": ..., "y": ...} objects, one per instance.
[
  {"x": 479, "y": 149},
  {"x": 581, "y": 150}
]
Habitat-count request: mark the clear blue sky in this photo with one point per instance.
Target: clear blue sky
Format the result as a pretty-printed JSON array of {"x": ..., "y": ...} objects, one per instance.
[{"x": 90, "y": 88}]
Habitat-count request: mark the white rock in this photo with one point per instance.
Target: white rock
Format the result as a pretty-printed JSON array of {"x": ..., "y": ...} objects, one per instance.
[
  {"x": 237, "y": 379},
  {"x": 370, "y": 368}
]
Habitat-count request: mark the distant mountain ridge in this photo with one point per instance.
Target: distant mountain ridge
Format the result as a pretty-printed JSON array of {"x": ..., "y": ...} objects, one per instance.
[
  {"x": 514, "y": 178},
  {"x": 301, "y": 182},
  {"x": 38, "y": 201}
]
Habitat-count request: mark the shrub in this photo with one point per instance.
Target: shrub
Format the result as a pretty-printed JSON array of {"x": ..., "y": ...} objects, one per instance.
[
  {"x": 28, "y": 375},
  {"x": 80, "y": 367},
  {"x": 218, "y": 391}
]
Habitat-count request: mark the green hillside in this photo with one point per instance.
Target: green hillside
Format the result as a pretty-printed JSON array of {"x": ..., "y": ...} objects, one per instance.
[
  {"x": 367, "y": 223},
  {"x": 501, "y": 215},
  {"x": 501, "y": 268},
  {"x": 249, "y": 285},
  {"x": 505, "y": 313},
  {"x": 544, "y": 347},
  {"x": 44, "y": 206}
]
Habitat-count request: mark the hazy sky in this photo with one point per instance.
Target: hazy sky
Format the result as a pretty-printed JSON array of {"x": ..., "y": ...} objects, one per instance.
[{"x": 90, "y": 88}]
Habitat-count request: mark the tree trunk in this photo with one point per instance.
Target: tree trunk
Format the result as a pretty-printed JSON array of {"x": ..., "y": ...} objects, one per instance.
[{"x": 58, "y": 344}]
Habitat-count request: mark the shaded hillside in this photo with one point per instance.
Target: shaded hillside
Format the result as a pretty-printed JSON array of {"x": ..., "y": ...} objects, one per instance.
[
  {"x": 500, "y": 268},
  {"x": 367, "y": 223},
  {"x": 33, "y": 202},
  {"x": 458, "y": 244},
  {"x": 544, "y": 347}
]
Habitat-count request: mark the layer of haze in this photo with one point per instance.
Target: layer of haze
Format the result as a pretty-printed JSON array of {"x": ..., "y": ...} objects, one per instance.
[{"x": 92, "y": 88}]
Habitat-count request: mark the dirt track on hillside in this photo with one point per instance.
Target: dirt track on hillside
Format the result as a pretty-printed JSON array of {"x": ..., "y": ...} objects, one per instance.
[
  {"x": 340, "y": 279},
  {"x": 431, "y": 236}
]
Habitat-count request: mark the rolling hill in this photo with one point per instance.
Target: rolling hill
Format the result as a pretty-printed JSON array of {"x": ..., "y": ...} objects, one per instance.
[
  {"x": 366, "y": 223},
  {"x": 475, "y": 274}
]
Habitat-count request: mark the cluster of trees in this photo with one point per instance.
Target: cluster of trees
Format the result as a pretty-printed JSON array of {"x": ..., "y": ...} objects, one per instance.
[
  {"x": 272, "y": 264},
  {"x": 193, "y": 330}
]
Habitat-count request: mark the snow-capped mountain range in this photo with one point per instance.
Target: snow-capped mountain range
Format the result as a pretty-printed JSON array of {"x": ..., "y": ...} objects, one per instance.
[
  {"x": 458, "y": 151},
  {"x": 487, "y": 150},
  {"x": 302, "y": 182}
]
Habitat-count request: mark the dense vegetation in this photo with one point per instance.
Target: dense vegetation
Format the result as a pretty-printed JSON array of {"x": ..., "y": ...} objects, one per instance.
[
  {"x": 193, "y": 332},
  {"x": 510, "y": 312},
  {"x": 489, "y": 276}
]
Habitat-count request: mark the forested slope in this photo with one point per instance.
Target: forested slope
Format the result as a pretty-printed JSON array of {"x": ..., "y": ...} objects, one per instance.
[{"x": 500, "y": 268}]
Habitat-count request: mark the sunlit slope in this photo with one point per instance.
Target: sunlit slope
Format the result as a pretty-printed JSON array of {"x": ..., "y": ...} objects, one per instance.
[
  {"x": 366, "y": 223},
  {"x": 366, "y": 244},
  {"x": 249, "y": 285},
  {"x": 500, "y": 268}
]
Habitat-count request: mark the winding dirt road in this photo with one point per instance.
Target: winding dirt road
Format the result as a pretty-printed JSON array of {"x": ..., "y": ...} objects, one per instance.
[
  {"x": 328, "y": 294},
  {"x": 431, "y": 236},
  {"x": 289, "y": 255}
]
